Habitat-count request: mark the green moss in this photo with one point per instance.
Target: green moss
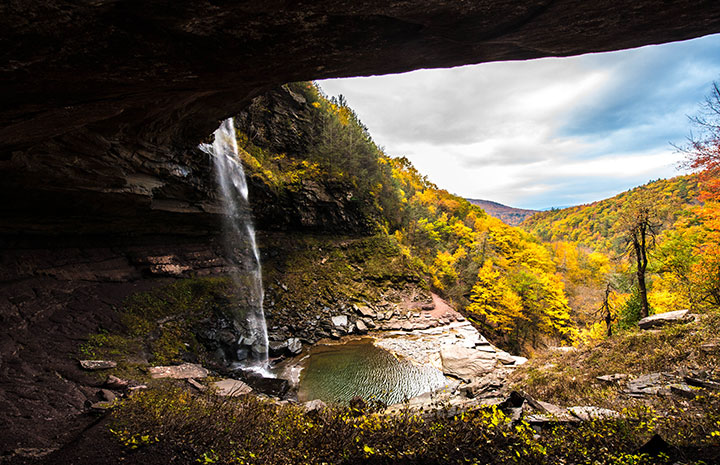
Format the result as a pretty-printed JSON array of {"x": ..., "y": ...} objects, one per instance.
[
  {"x": 311, "y": 271},
  {"x": 159, "y": 324}
]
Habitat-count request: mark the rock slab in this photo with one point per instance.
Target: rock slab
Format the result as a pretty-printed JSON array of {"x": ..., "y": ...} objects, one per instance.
[
  {"x": 662, "y": 319},
  {"x": 183, "y": 371},
  {"x": 231, "y": 387},
  {"x": 94, "y": 365},
  {"x": 464, "y": 363}
]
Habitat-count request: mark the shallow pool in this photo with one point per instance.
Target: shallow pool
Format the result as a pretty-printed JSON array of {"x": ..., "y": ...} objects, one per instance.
[{"x": 339, "y": 372}]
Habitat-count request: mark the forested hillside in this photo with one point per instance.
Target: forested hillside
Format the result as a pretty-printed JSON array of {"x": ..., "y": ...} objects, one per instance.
[
  {"x": 566, "y": 272},
  {"x": 596, "y": 225},
  {"x": 502, "y": 276},
  {"x": 678, "y": 270}
]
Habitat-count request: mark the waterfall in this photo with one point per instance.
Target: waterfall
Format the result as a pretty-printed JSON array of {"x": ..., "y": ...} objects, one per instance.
[{"x": 239, "y": 240}]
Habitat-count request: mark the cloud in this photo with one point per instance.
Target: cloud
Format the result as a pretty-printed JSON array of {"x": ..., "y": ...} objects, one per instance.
[{"x": 546, "y": 132}]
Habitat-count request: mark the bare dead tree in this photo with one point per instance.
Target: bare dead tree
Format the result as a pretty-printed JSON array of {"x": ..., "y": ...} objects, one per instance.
[
  {"x": 605, "y": 310},
  {"x": 639, "y": 222}
]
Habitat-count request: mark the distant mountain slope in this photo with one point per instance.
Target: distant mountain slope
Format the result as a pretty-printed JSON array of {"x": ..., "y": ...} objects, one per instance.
[
  {"x": 593, "y": 224},
  {"x": 508, "y": 215}
]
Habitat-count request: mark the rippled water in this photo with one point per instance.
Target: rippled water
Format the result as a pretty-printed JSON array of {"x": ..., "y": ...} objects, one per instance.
[{"x": 339, "y": 372}]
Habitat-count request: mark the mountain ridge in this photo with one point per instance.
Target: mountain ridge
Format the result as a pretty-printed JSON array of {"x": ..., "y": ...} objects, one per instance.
[{"x": 509, "y": 215}]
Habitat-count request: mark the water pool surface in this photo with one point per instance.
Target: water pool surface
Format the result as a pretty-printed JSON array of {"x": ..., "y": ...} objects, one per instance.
[{"x": 339, "y": 372}]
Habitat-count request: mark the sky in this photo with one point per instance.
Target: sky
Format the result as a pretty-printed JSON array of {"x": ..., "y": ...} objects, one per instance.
[{"x": 543, "y": 133}]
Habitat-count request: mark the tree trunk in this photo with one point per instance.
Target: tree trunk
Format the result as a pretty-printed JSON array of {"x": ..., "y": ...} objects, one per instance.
[{"x": 640, "y": 253}]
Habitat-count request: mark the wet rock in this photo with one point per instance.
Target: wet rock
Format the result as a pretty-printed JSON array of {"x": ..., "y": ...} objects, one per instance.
[
  {"x": 184, "y": 371},
  {"x": 277, "y": 347},
  {"x": 270, "y": 386},
  {"x": 231, "y": 387},
  {"x": 94, "y": 365},
  {"x": 464, "y": 363},
  {"x": 241, "y": 354},
  {"x": 661, "y": 319},
  {"x": 259, "y": 350}
]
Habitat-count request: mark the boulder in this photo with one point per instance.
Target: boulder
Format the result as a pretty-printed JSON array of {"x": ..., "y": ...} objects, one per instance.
[
  {"x": 113, "y": 382},
  {"x": 184, "y": 371},
  {"x": 339, "y": 321},
  {"x": 277, "y": 347},
  {"x": 270, "y": 386},
  {"x": 231, "y": 387},
  {"x": 464, "y": 363},
  {"x": 294, "y": 346},
  {"x": 94, "y": 365},
  {"x": 661, "y": 319},
  {"x": 107, "y": 395},
  {"x": 361, "y": 327},
  {"x": 683, "y": 390},
  {"x": 314, "y": 405},
  {"x": 365, "y": 311}
]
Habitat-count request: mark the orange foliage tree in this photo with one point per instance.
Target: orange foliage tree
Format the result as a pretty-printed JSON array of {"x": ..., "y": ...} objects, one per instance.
[{"x": 703, "y": 155}]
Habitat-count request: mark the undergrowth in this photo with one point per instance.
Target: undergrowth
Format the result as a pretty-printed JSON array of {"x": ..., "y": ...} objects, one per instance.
[
  {"x": 569, "y": 378},
  {"x": 249, "y": 430}
]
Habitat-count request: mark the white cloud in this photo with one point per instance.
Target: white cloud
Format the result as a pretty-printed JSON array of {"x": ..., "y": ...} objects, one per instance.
[{"x": 543, "y": 132}]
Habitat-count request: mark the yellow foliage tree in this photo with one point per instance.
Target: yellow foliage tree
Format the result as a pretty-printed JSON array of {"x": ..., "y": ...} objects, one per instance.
[{"x": 493, "y": 301}]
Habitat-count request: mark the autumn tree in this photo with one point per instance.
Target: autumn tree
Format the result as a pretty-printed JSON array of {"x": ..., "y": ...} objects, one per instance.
[
  {"x": 703, "y": 156},
  {"x": 494, "y": 301}
]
